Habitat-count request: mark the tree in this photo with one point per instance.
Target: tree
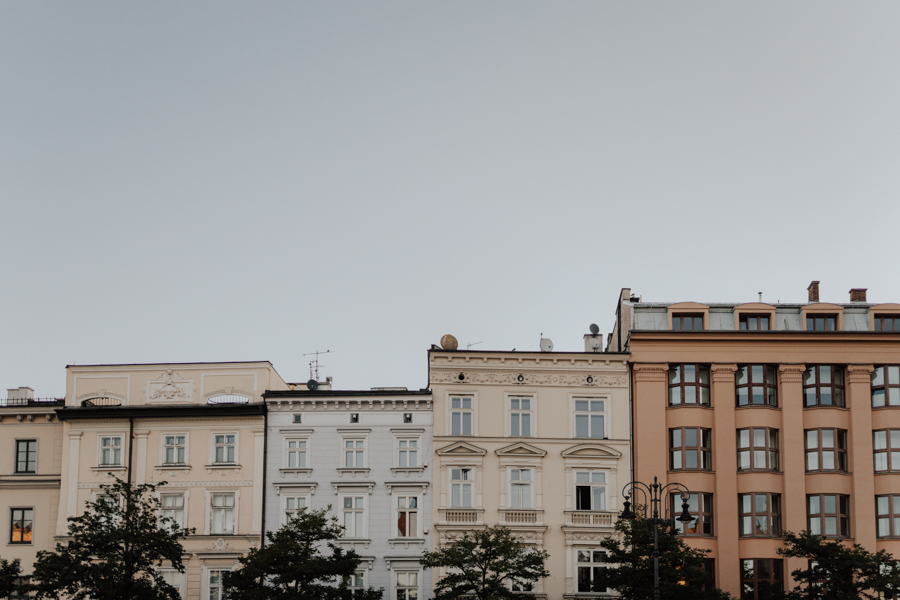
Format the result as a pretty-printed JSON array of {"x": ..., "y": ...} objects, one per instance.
[
  {"x": 837, "y": 571},
  {"x": 682, "y": 569},
  {"x": 9, "y": 576},
  {"x": 485, "y": 565},
  {"x": 114, "y": 550},
  {"x": 292, "y": 565}
]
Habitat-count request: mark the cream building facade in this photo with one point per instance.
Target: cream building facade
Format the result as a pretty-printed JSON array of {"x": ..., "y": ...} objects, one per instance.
[{"x": 535, "y": 441}]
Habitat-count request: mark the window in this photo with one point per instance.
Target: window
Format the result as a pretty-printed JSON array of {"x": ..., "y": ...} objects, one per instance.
[
  {"x": 589, "y": 418},
  {"x": 887, "y": 450},
  {"x": 461, "y": 487},
  {"x": 754, "y": 322},
  {"x": 760, "y": 515},
  {"x": 590, "y": 490},
  {"x": 688, "y": 384},
  {"x": 357, "y": 581},
  {"x": 828, "y": 515},
  {"x": 26, "y": 456},
  {"x": 173, "y": 578},
  {"x": 222, "y": 507},
  {"x": 354, "y": 453},
  {"x": 887, "y": 323},
  {"x": 354, "y": 417},
  {"x": 591, "y": 564},
  {"x": 685, "y": 322},
  {"x": 298, "y": 418},
  {"x": 21, "y": 525},
  {"x": 173, "y": 507},
  {"x": 701, "y": 508},
  {"x": 408, "y": 453},
  {"x": 407, "y": 516},
  {"x": 821, "y": 322},
  {"x": 757, "y": 449},
  {"x": 408, "y": 585},
  {"x": 461, "y": 415},
  {"x": 826, "y": 450},
  {"x": 690, "y": 448},
  {"x": 761, "y": 578},
  {"x": 354, "y": 512},
  {"x": 520, "y": 488},
  {"x": 886, "y": 386},
  {"x": 296, "y": 454},
  {"x": 407, "y": 417},
  {"x": 293, "y": 505},
  {"x": 756, "y": 385},
  {"x": 520, "y": 417},
  {"x": 216, "y": 584},
  {"x": 888, "y": 510},
  {"x": 174, "y": 449},
  {"x": 823, "y": 385},
  {"x": 110, "y": 450},
  {"x": 224, "y": 447}
]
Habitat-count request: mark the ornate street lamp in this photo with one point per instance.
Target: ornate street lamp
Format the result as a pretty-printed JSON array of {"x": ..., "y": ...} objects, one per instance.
[{"x": 655, "y": 493}]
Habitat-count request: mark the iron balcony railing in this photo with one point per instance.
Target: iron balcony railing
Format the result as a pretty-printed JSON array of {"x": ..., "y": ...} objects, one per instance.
[{"x": 32, "y": 402}]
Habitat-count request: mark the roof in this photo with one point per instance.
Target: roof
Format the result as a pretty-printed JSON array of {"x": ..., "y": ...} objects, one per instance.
[{"x": 338, "y": 393}]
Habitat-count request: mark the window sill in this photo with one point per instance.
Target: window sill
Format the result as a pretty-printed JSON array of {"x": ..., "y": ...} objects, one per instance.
[
  {"x": 223, "y": 468},
  {"x": 20, "y": 543},
  {"x": 296, "y": 472},
  {"x": 25, "y": 473},
  {"x": 773, "y": 471},
  {"x": 758, "y": 537},
  {"x": 828, "y": 472},
  {"x": 406, "y": 542},
  {"x": 353, "y": 471},
  {"x": 711, "y": 471},
  {"x": 745, "y": 406},
  {"x": 353, "y": 542},
  {"x": 172, "y": 469},
  {"x": 108, "y": 469},
  {"x": 815, "y": 406},
  {"x": 407, "y": 470},
  {"x": 889, "y": 407},
  {"x": 707, "y": 406}
]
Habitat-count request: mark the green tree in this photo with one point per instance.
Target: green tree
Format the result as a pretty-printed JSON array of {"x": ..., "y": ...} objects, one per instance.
[
  {"x": 9, "y": 576},
  {"x": 838, "y": 571},
  {"x": 114, "y": 550},
  {"x": 682, "y": 569},
  {"x": 292, "y": 565},
  {"x": 486, "y": 565}
]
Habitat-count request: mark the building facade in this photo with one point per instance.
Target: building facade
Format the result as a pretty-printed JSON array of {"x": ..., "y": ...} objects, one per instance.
[
  {"x": 365, "y": 456},
  {"x": 781, "y": 417},
  {"x": 535, "y": 441}
]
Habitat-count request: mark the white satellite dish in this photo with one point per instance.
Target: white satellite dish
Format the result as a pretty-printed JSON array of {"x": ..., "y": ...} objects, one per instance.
[{"x": 546, "y": 345}]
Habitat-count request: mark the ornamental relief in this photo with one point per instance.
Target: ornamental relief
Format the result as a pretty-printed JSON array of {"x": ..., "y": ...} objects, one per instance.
[
  {"x": 170, "y": 385},
  {"x": 515, "y": 378}
]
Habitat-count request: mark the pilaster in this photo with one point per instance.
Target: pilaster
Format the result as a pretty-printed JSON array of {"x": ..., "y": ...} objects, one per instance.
[
  {"x": 790, "y": 383},
  {"x": 651, "y": 436},
  {"x": 862, "y": 464},
  {"x": 258, "y": 508},
  {"x": 140, "y": 469},
  {"x": 725, "y": 461}
]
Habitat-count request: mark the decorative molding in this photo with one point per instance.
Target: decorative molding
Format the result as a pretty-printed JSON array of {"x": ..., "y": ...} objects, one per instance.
[
  {"x": 512, "y": 377},
  {"x": 860, "y": 373},
  {"x": 460, "y": 448},
  {"x": 223, "y": 470},
  {"x": 407, "y": 470},
  {"x": 170, "y": 385},
  {"x": 310, "y": 487},
  {"x": 343, "y": 485},
  {"x": 220, "y": 545},
  {"x": 184, "y": 484},
  {"x": 651, "y": 373},
  {"x": 355, "y": 404},
  {"x": 172, "y": 470},
  {"x": 521, "y": 450},
  {"x": 587, "y": 536},
  {"x": 421, "y": 485},
  {"x": 723, "y": 373},
  {"x": 296, "y": 472},
  {"x": 791, "y": 373}
]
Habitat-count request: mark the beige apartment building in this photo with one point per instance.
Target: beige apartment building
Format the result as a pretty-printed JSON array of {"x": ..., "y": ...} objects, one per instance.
[{"x": 535, "y": 441}]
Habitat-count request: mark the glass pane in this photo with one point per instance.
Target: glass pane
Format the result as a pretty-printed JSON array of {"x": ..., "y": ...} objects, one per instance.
[
  {"x": 825, "y": 396},
  {"x": 815, "y": 526},
  {"x": 742, "y": 396},
  {"x": 772, "y": 394},
  {"x": 808, "y": 376},
  {"x": 514, "y": 403},
  {"x": 705, "y": 441},
  {"x": 514, "y": 424},
  {"x": 581, "y": 426},
  {"x": 744, "y": 503},
  {"x": 597, "y": 426},
  {"x": 828, "y": 438},
  {"x": 526, "y": 403},
  {"x": 691, "y": 462},
  {"x": 689, "y": 374},
  {"x": 455, "y": 421},
  {"x": 674, "y": 396},
  {"x": 690, "y": 437},
  {"x": 895, "y": 438},
  {"x": 831, "y": 526},
  {"x": 761, "y": 503},
  {"x": 894, "y": 396},
  {"x": 764, "y": 323},
  {"x": 674, "y": 377},
  {"x": 759, "y": 438},
  {"x": 809, "y": 396},
  {"x": 704, "y": 375},
  {"x": 893, "y": 374},
  {"x": 676, "y": 460},
  {"x": 581, "y": 405},
  {"x": 704, "y": 396},
  {"x": 467, "y": 403},
  {"x": 676, "y": 437},
  {"x": 690, "y": 394},
  {"x": 526, "y": 425},
  {"x": 741, "y": 376},
  {"x": 838, "y": 397},
  {"x": 812, "y": 439},
  {"x": 812, "y": 461},
  {"x": 830, "y": 503},
  {"x": 759, "y": 396},
  {"x": 757, "y": 373},
  {"x": 883, "y": 505},
  {"x": 824, "y": 374},
  {"x": 744, "y": 460},
  {"x": 878, "y": 376},
  {"x": 744, "y": 438},
  {"x": 467, "y": 424},
  {"x": 597, "y": 405},
  {"x": 828, "y": 460}
]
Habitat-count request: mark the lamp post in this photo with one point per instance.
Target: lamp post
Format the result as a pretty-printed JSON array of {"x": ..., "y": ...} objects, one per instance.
[{"x": 655, "y": 493}]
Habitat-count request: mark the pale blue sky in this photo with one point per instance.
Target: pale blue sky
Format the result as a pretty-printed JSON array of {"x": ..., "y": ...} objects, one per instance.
[{"x": 212, "y": 181}]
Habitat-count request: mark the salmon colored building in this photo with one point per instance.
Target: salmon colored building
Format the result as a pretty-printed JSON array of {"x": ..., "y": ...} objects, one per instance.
[{"x": 781, "y": 417}]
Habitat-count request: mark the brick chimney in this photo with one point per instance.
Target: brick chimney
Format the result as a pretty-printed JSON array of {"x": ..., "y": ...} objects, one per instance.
[
  {"x": 813, "y": 290},
  {"x": 858, "y": 294}
]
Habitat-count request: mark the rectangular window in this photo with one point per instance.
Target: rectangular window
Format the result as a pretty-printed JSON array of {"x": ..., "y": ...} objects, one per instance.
[
  {"x": 408, "y": 516},
  {"x": 172, "y": 506},
  {"x": 886, "y": 386},
  {"x": 701, "y": 508},
  {"x": 21, "y": 525},
  {"x": 591, "y": 564},
  {"x": 461, "y": 487},
  {"x": 357, "y": 581},
  {"x": 520, "y": 488},
  {"x": 821, "y": 322},
  {"x": 757, "y": 449},
  {"x": 828, "y": 514},
  {"x": 293, "y": 505},
  {"x": 826, "y": 450},
  {"x": 408, "y": 453},
  {"x": 754, "y": 322},
  {"x": 690, "y": 448},
  {"x": 823, "y": 385},
  {"x": 407, "y": 585},
  {"x": 175, "y": 579},
  {"x": 225, "y": 447},
  {"x": 686, "y": 322},
  {"x": 887, "y": 450},
  {"x": 520, "y": 417},
  {"x": 216, "y": 584},
  {"x": 887, "y": 323},
  {"x": 111, "y": 450},
  {"x": 590, "y": 418},
  {"x": 354, "y": 514},
  {"x": 26, "y": 456},
  {"x": 174, "y": 449},
  {"x": 888, "y": 510},
  {"x": 590, "y": 490},
  {"x": 296, "y": 454},
  {"x": 688, "y": 384},
  {"x": 461, "y": 415},
  {"x": 761, "y": 578},
  {"x": 760, "y": 515},
  {"x": 355, "y": 453},
  {"x": 755, "y": 385},
  {"x": 222, "y": 509}
]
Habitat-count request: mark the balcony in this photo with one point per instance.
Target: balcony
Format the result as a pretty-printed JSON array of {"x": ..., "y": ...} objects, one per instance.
[
  {"x": 4, "y": 402},
  {"x": 591, "y": 518},
  {"x": 101, "y": 401},
  {"x": 461, "y": 516},
  {"x": 514, "y": 517}
]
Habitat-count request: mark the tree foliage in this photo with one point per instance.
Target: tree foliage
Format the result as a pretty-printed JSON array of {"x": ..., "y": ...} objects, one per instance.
[
  {"x": 484, "y": 564},
  {"x": 838, "y": 571},
  {"x": 682, "y": 569},
  {"x": 292, "y": 565},
  {"x": 9, "y": 576},
  {"x": 115, "y": 550}
]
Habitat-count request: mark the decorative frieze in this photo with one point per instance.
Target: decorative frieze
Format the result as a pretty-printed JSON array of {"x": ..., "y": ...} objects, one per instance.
[
  {"x": 170, "y": 385},
  {"x": 514, "y": 377}
]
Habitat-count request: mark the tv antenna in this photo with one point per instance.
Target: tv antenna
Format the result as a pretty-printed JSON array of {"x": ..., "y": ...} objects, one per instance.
[
  {"x": 314, "y": 363},
  {"x": 468, "y": 346}
]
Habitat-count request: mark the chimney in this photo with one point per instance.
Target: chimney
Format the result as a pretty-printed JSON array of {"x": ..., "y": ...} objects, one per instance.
[
  {"x": 20, "y": 393},
  {"x": 858, "y": 294},
  {"x": 813, "y": 290}
]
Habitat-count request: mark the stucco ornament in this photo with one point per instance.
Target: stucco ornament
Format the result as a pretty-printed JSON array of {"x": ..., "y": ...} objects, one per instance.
[
  {"x": 219, "y": 545},
  {"x": 170, "y": 385}
]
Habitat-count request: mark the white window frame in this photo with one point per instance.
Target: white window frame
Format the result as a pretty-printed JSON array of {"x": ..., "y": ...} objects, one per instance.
[
  {"x": 363, "y": 575},
  {"x": 212, "y": 447},
  {"x": 162, "y": 447},
  {"x": 606, "y": 412},
  {"x": 532, "y": 412},
  {"x": 398, "y": 450},
  {"x": 461, "y": 482},
  {"x": 121, "y": 436},
  {"x": 450, "y": 410},
  {"x": 285, "y": 495},
  {"x": 395, "y": 501},
  {"x": 179, "y": 578},
  {"x": 287, "y": 451},
  {"x": 209, "y": 509},
  {"x": 395, "y": 582},
  {"x": 591, "y": 550},
  {"x": 513, "y": 484},
  {"x": 207, "y": 584},
  {"x": 184, "y": 502},
  {"x": 364, "y": 511},
  {"x": 347, "y": 437},
  {"x": 592, "y": 484}
]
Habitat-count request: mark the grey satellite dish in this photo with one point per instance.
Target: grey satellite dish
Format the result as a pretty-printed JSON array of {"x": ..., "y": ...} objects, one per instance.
[
  {"x": 594, "y": 329},
  {"x": 546, "y": 345},
  {"x": 312, "y": 384}
]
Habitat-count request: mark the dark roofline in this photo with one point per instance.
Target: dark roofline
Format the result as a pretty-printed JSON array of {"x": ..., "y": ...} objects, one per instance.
[
  {"x": 736, "y": 304},
  {"x": 598, "y": 354},
  {"x": 337, "y": 393},
  {"x": 156, "y": 364},
  {"x": 74, "y": 413}
]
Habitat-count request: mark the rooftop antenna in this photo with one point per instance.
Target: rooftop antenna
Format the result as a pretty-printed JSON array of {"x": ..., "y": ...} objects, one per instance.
[
  {"x": 475, "y": 344},
  {"x": 760, "y": 296},
  {"x": 314, "y": 364}
]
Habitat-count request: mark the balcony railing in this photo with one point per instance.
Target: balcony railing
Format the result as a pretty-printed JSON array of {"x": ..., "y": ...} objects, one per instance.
[
  {"x": 520, "y": 517},
  {"x": 102, "y": 401},
  {"x": 591, "y": 518},
  {"x": 461, "y": 516},
  {"x": 32, "y": 402}
]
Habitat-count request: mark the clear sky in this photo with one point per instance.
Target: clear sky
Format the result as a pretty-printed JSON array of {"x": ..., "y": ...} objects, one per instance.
[{"x": 214, "y": 181}]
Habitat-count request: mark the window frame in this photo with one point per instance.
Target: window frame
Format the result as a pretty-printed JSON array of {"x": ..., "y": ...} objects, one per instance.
[
  {"x": 356, "y": 450},
  {"x": 180, "y": 586},
  {"x": 213, "y": 445},
  {"x": 590, "y": 483},
  {"x": 878, "y": 321},
  {"x": 771, "y": 515},
  {"x": 825, "y": 318},
  {"x": 21, "y": 521},
  {"x": 345, "y": 510},
  {"x": 221, "y": 585},
  {"x": 406, "y": 587},
  {"x": 841, "y": 456},
  {"x": 703, "y": 524},
  {"x": 591, "y": 566},
  {"x": 750, "y": 383},
  {"x": 516, "y": 484},
  {"x": 530, "y": 413},
  {"x": 775, "y": 568},
  {"x": 285, "y": 510},
  {"x": 16, "y": 460},
  {"x": 890, "y": 452},
  {"x": 288, "y": 451},
  {"x": 407, "y": 510},
  {"x": 887, "y": 386},
  {"x": 184, "y": 500},
  {"x": 351, "y": 582},
  {"x": 211, "y": 494},
  {"x": 604, "y": 415},
  {"x": 121, "y": 448},
  {"x": 400, "y": 450},
  {"x": 463, "y": 483},
  {"x": 892, "y": 516},
  {"x": 681, "y": 385},
  {"x": 472, "y": 412},
  {"x": 752, "y": 449},
  {"x": 164, "y": 447},
  {"x": 681, "y": 316},
  {"x": 703, "y": 451},
  {"x": 744, "y": 321},
  {"x": 838, "y": 390},
  {"x": 842, "y": 519}
]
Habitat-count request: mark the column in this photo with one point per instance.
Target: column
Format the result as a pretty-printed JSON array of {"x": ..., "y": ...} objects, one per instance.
[
  {"x": 862, "y": 464},
  {"x": 259, "y": 439},
  {"x": 140, "y": 468},
  {"x": 793, "y": 459},
  {"x": 651, "y": 436},
  {"x": 728, "y": 575}
]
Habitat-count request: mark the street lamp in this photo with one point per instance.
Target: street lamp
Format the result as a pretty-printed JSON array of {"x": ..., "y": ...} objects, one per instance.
[{"x": 655, "y": 493}]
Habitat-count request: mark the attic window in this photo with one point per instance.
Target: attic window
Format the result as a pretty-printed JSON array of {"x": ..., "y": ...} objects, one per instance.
[
  {"x": 354, "y": 417},
  {"x": 754, "y": 322},
  {"x": 228, "y": 399},
  {"x": 687, "y": 322},
  {"x": 298, "y": 419}
]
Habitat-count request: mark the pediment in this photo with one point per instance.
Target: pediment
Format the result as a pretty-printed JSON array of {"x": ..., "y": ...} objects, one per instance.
[
  {"x": 520, "y": 449},
  {"x": 461, "y": 449},
  {"x": 590, "y": 451}
]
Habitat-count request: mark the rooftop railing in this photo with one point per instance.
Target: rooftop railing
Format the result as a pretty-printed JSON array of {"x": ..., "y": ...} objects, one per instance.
[{"x": 32, "y": 402}]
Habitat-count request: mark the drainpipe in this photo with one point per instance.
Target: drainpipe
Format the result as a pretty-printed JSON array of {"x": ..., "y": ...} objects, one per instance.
[
  {"x": 130, "y": 446},
  {"x": 262, "y": 541},
  {"x": 631, "y": 413}
]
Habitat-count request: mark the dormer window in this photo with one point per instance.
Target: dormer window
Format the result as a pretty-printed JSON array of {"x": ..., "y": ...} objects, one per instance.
[
  {"x": 887, "y": 323},
  {"x": 754, "y": 322},
  {"x": 821, "y": 322},
  {"x": 687, "y": 322}
]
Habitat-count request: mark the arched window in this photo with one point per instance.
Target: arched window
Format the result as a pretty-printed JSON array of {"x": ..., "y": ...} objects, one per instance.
[{"x": 228, "y": 399}]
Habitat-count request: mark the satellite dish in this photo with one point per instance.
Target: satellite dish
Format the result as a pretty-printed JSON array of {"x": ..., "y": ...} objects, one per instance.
[
  {"x": 546, "y": 345},
  {"x": 312, "y": 384},
  {"x": 594, "y": 329},
  {"x": 448, "y": 342}
]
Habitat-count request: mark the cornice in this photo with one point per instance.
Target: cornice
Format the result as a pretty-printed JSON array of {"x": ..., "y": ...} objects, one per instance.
[
  {"x": 654, "y": 373},
  {"x": 322, "y": 404},
  {"x": 791, "y": 373},
  {"x": 518, "y": 376},
  {"x": 723, "y": 373}
]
